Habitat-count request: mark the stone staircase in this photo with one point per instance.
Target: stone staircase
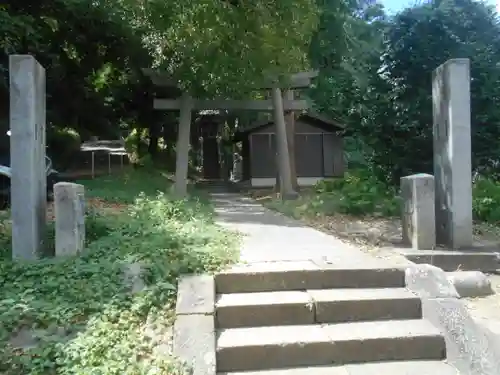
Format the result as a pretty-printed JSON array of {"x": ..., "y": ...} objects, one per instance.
[
  {"x": 215, "y": 186},
  {"x": 295, "y": 320}
]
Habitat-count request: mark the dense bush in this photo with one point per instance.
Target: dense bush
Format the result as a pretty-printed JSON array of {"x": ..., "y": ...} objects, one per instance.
[
  {"x": 360, "y": 193},
  {"x": 63, "y": 146},
  {"x": 486, "y": 200},
  {"x": 136, "y": 144},
  {"x": 106, "y": 325}
]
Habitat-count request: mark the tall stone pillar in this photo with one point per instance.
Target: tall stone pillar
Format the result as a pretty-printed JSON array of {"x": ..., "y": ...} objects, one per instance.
[
  {"x": 27, "y": 154},
  {"x": 452, "y": 153}
]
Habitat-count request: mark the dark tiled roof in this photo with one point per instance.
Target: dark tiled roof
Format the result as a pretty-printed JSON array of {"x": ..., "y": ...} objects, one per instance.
[{"x": 314, "y": 118}]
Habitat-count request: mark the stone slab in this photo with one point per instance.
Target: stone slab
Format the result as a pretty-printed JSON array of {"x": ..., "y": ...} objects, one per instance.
[
  {"x": 451, "y": 261},
  {"x": 306, "y": 275},
  {"x": 471, "y": 283},
  {"x": 273, "y": 347},
  {"x": 349, "y": 305},
  {"x": 316, "y": 370},
  {"x": 429, "y": 281},
  {"x": 402, "y": 368},
  {"x": 196, "y": 295},
  {"x": 194, "y": 343},
  {"x": 289, "y": 346},
  {"x": 315, "y": 306},
  {"x": 264, "y": 309},
  {"x": 470, "y": 347},
  {"x": 382, "y": 368}
]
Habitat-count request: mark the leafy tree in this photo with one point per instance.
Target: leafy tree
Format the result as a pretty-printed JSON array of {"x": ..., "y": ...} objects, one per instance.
[
  {"x": 91, "y": 54},
  {"x": 216, "y": 47},
  {"x": 391, "y": 111}
]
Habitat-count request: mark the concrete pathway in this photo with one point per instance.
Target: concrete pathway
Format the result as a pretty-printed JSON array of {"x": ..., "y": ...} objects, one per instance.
[{"x": 270, "y": 236}]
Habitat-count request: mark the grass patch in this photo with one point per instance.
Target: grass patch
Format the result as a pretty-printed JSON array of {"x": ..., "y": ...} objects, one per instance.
[
  {"x": 360, "y": 194},
  {"x": 343, "y": 206},
  {"x": 86, "y": 319},
  {"x": 357, "y": 194}
]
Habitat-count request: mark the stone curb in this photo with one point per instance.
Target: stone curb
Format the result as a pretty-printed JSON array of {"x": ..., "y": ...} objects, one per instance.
[
  {"x": 194, "y": 328},
  {"x": 471, "y": 347}
]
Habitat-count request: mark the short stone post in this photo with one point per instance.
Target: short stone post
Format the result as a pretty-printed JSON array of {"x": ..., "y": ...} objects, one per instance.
[
  {"x": 419, "y": 229},
  {"x": 69, "y": 202},
  {"x": 452, "y": 153},
  {"x": 27, "y": 154}
]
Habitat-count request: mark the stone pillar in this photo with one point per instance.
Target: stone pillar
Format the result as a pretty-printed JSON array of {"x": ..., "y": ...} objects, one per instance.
[
  {"x": 283, "y": 158},
  {"x": 290, "y": 134},
  {"x": 69, "y": 203},
  {"x": 452, "y": 153},
  {"x": 419, "y": 228},
  {"x": 182, "y": 149},
  {"x": 27, "y": 154}
]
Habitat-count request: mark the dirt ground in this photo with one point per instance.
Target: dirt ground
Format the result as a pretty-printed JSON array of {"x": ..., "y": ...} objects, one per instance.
[{"x": 380, "y": 236}]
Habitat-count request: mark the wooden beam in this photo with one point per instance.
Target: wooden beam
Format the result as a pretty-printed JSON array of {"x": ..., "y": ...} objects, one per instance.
[
  {"x": 293, "y": 81},
  {"x": 306, "y": 75},
  {"x": 249, "y": 105}
]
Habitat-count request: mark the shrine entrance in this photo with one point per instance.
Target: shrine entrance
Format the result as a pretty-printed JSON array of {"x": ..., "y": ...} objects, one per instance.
[
  {"x": 279, "y": 104},
  {"x": 211, "y": 159}
]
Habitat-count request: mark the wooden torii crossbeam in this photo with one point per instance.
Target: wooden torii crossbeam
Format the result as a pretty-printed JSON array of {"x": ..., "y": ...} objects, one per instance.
[
  {"x": 186, "y": 104},
  {"x": 265, "y": 105}
]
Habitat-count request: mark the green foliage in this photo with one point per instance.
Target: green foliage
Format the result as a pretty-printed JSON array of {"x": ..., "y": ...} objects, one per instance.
[
  {"x": 244, "y": 43},
  {"x": 358, "y": 193},
  {"x": 389, "y": 108},
  {"x": 136, "y": 144},
  {"x": 91, "y": 52},
  {"x": 485, "y": 200},
  {"x": 64, "y": 144},
  {"x": 88, "y": 320}
]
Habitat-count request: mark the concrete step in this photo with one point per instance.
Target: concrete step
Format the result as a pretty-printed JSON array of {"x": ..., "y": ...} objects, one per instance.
[
  {"x": 297, "y": 275},
  {"x": 380, "y": 368},
  {"x": 315, "y": 306},
  {"x": 261, "y": 348}
]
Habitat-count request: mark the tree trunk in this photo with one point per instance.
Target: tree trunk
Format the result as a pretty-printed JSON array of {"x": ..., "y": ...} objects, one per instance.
[
  {"x": 182, "y": 149},
  {"x": 286, "y": 189}
]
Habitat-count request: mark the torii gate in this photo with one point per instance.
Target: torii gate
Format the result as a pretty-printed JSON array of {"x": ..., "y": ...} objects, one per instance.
[{"x": 186, "y": 104}]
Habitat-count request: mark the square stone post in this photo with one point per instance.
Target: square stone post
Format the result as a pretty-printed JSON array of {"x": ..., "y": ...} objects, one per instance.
[
  {"x": 27, "y": 154},
  {"x": 69, "y": 202},
  {"x": 419, "y": 228},
  {"x": 452, "y": 153}
]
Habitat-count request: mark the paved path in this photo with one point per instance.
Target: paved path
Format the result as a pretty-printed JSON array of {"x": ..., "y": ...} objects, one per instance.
[{"x": 270, "y": 236}]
